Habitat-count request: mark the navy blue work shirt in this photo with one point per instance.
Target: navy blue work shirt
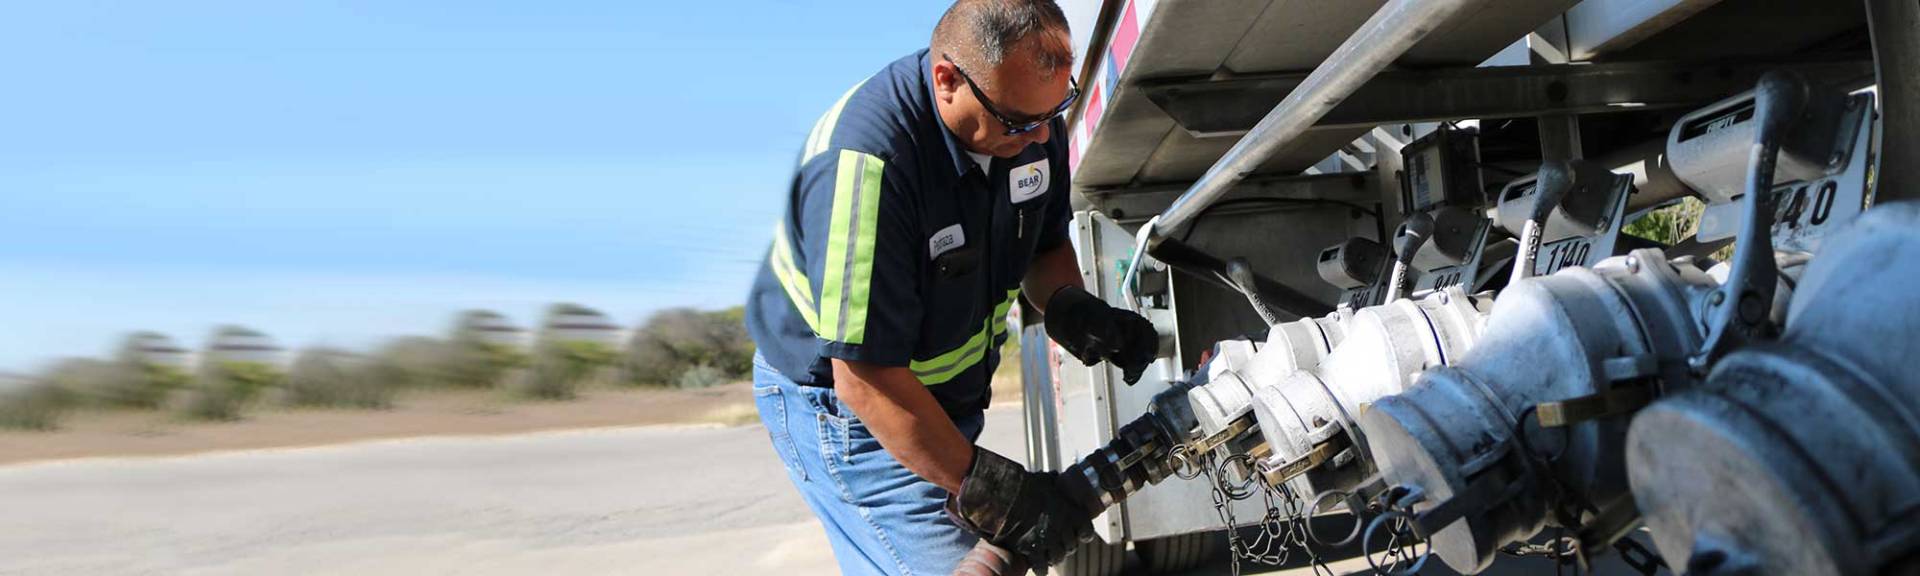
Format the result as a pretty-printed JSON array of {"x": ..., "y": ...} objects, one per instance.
[{"x": 898, "y": 249}]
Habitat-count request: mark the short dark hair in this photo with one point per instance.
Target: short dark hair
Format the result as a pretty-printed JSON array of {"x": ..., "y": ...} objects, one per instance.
[{"x": 978, "y": 34}]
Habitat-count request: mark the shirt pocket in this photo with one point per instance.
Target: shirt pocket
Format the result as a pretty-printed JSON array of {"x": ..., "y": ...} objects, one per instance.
[
  {"x": 951, "y": 314},
  {"x": 1026, "y": 220},
  {"x": 957, "y": 265}
]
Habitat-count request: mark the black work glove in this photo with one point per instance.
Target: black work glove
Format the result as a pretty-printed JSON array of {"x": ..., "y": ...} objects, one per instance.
[
  {"x": 1027, "y": 513},
  {"x": 1093, "y": 332}
]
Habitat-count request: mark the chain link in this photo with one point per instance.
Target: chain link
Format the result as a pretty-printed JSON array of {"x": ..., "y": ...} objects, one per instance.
[
  {"x": 1404, "y": 552},
  {"x": 1282, "y": 529}
]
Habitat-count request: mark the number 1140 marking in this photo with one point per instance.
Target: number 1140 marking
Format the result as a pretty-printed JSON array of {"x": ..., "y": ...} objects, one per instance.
[{"x": 1564, "y": 255}]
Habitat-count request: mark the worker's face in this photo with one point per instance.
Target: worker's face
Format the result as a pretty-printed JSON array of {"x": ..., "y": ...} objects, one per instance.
[{"x": 1016, "y": 89}]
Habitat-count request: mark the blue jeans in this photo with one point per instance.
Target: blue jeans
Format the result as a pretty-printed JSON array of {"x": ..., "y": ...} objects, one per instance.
[{"x": 880, "y": 518}]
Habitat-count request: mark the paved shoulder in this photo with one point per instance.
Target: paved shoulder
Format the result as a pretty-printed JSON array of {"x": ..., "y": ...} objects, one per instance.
[{"x": 611, "y": 501}]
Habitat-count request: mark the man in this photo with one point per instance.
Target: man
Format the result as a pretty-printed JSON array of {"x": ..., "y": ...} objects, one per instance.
[{"x": 928, "y": 199}]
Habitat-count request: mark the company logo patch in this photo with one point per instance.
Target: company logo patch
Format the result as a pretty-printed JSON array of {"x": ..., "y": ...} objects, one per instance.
[
  {"x": 1027, "y": 182},
  {"x": 946, "y": 240}
]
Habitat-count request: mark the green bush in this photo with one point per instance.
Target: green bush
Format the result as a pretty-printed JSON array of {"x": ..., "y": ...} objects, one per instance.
[
  {"x": 386, "y": 376},
  {"x": 1669, "y": 224},
  {"x": 675, "y": 341},
  {"x": 1673, "y": 224},
  {"x": 702, "y": 376},
  {"x": 567, "y": 355},
  {"x": 206, "y": 403},
  {"x": 118, "y": 383},
  {"x": 520, "y": 382},
  {"x": 417, "y": 362},
  {"x": 477, "y": 354},
  {"x": 157, "y": 382},
  {"x": 479, "y": 364},
  {"x": 649, "y": 361},
  {"x": 548, "y": 378},
  {"x": 146, "y": 383},
  {"x": 94, "y": 381},
  {"x": 559, "y": 368},
  {"x": 581, "y": 358},
  {"x": 33, "y": 405},
  {"x": 334, "y": 378},
  {"x": 224, "y": 388}
]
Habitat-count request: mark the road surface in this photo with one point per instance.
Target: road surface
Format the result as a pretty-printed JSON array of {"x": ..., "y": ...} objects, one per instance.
[
  {"x": 637, "y": 500},
  {"x": 645, "y": 500}
]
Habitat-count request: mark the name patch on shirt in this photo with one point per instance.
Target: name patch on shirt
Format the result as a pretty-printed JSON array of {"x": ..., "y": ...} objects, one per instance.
[
  {"x": 946, "y": 240},
  {"x": 1027, "y": 182}
]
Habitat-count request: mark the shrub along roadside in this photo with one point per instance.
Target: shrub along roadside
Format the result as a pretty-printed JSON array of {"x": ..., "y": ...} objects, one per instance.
[
  {"x": 33, "y": 405},
  {"x": 417, "y": 361},
  {"x": 702, "y": 376},
  {"x": 146, "y": 381},
  {"x": 329, "y": 377},
  {"x": 560, "y": 368},
  {"x": 117, "y": 384},
  {"x": 481, "y": 348},
  {"x": 689, "y": 348},
  {"x": 240, "y": 367},
  {"x": 223, "y": 388}
]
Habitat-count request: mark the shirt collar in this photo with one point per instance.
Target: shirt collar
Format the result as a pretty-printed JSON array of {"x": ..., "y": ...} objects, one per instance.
[{"x": 958, "y": 151}]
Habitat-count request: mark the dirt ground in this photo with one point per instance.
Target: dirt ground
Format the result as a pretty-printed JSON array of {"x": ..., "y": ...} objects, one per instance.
[{"x": 420, "y": 413}]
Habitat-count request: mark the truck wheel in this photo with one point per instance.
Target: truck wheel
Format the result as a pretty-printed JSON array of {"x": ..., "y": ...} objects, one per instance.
[
  {"x": 1177, "y": 553},
  {"x": 1095, "y": 558}
]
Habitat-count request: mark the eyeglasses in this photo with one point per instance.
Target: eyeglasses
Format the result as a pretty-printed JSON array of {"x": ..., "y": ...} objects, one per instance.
[{"x": 1016, "y": 128}]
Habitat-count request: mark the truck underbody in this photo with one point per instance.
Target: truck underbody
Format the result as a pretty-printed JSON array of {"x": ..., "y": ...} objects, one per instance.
[{"x": 1623, "y": 284}]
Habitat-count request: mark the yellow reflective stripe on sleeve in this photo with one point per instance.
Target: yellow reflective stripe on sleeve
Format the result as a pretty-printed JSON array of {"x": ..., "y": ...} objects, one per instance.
[
  {"x": 940, "y": 369},
  {"x": 792, "y": 278},
  {"x": 848, "y": 272},
  {"x": 821, "y": 138}
]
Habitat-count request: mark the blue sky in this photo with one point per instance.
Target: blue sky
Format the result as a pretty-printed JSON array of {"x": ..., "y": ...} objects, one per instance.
[{"x": 343, "y": 172}]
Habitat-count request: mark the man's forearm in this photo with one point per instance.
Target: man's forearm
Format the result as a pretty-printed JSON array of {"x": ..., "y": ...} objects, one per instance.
[
  {"x": 906, "y": 419},
  {"x": 1050, "y": 271}
]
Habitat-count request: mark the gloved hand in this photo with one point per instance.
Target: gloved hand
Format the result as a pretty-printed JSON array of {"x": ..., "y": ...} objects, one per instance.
[
  {"x": 1028, "y": 513},
  {"x": 1093, "y": 331}
]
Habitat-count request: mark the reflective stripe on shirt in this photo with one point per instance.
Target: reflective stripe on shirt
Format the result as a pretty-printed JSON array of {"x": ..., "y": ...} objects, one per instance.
[
  {"x": 792, "y": 278},
  {"x": 848, "y": 273},
  {"x": 944, "y": 367},
  {"x": 821, "y": 138}
]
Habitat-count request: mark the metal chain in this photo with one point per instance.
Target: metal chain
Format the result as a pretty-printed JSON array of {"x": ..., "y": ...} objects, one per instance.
[
  {"x": 1283, "y": 528},
  {"x": 1403, "y": 550},
  {"x": 1221, "y": 508},
  {"x": 1184, "y": 466},
  {"x": 1566, "y": 504}
]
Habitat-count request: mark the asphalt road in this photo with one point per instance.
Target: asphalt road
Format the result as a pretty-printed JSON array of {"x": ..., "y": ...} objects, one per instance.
[
  {"x": 613, "y": 501},
  {"x": 645, "y": 500},
  {"x": 650, "y": 500}
]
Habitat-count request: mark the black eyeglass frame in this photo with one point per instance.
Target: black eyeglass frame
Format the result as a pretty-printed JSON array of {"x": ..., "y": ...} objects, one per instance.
[{"x": 1017, "y": 128}]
